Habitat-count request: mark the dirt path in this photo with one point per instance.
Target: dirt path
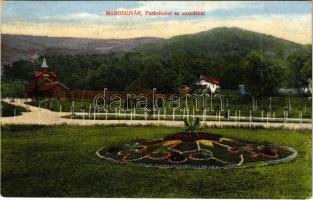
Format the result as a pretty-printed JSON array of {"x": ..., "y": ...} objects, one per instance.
[{"x": 41, "y": 116}]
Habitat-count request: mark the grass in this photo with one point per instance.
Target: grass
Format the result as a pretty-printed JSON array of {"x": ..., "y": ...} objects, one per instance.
[
  {"x": 9, "y": 110},
  {"x": 60, "y": 161}
]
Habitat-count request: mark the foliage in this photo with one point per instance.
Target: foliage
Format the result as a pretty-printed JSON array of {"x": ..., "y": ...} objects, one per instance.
[
  {"x": 263, "y": 76},
  {"x": 301, "y": 67},
  {"x": 192, "y": 124},
  {"x": 12, "y": 88},
  {"x": 166, "y": 65},
  {"x": 8, "y": 110},
  {"x": 20, "y": 70}
]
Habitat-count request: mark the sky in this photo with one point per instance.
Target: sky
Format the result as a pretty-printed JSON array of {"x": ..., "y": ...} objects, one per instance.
[{"x": 290, "y": 20}]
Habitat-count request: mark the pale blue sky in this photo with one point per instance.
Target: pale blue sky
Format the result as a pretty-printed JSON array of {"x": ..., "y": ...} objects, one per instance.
[{"x": 22, "y": 16}]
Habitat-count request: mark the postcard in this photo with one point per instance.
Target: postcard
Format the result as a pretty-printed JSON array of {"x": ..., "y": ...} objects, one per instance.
[{"x": 156, "y": 99}]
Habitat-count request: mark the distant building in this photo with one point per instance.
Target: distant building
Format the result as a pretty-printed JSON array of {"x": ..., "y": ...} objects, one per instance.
[
  {"x": 212, "y": 84},
  {"x": 44, "y": 84}
]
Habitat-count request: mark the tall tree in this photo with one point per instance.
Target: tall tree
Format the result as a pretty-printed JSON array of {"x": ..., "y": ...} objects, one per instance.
[
  {"x": 262, "y": 76},
  {"x": 301, "y": 65}
]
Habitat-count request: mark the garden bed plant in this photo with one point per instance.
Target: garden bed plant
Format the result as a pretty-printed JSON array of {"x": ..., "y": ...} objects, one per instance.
[{"x": 194, "y": 149}]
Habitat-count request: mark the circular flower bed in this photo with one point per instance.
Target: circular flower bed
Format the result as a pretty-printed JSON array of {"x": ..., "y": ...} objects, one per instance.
[{"x": 197, "y": 150}]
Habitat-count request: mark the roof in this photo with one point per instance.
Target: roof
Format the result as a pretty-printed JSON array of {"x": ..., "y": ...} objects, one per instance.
[
  {"x": 44, "y": 63},
  {"x": 212, "y": 80},
  {"x": 49, "y": 86},
  {"x": 40, "y": 73}
]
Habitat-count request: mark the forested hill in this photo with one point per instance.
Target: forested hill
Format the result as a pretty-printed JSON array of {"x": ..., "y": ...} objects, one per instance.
[
  {"x": 169, "y": 64},
  {"x": 223, "y": 41},
  {"x": 217, "y": 52},
  {"x": 26, "y": 47}
]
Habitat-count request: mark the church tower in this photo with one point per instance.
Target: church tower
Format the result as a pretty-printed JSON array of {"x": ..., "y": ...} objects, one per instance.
[
  {"x": 44, "y": 66},
  {"x": 44, "y": 84}
]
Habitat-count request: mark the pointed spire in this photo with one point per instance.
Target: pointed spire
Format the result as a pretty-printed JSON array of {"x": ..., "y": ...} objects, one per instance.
[{"x": 44, "y": 63}]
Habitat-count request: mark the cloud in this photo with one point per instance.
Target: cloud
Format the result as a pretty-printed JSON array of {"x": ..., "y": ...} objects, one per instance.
[
  {"x": 74, "y": 17},
  {"x": 143, "y": 6},
  {"x": 296, "y": 28}
]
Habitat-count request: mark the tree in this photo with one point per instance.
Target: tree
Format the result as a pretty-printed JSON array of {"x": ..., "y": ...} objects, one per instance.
[
  {"x": 262, "y": 76},
  {"x": 300, "y": 63},
  {"x": 20, "y": 70}
]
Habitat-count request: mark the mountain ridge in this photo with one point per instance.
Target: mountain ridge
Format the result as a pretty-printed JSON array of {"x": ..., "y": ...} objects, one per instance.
[
  {"x": 28, "y": 47},
  {"x": 167, "y": 64}
]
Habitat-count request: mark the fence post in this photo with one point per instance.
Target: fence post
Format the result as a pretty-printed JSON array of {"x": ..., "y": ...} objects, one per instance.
[
  {"x": 301, "y": 117},
  {"x": 158, "y": 117},
  {"x": 227, "y": 102},
  {"x": 252, "y": 103},
  {"x": 203, "y": 115},
  {"x": 256, "y": 104},
  {"x": 193, "y": 112},
  {"x": 270, "y": 104},
  {"x": 164, "y": 114},
  {"x": 73, "y": 105},
  {"x": 219, "y": 115},
  {"x": 284, "y": 117},
  {"x": 49, "y": 116},
  {"x": 60, "y": 114},
  {"x": 94, "y": 115},
  {"x": 89, "y": 110},
  {"x": 211, "y": 102}
]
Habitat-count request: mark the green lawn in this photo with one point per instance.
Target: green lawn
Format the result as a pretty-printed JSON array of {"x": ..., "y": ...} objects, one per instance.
[{"x": 60, "y": 161}]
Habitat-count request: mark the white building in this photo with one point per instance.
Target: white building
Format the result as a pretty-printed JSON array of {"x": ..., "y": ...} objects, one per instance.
[{"x": 212, "y": 84}]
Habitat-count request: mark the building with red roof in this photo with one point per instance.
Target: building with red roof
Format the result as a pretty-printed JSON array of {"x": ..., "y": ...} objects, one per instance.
[
  {"x": 44, "y": 84},
  {"x": 210, "y": 83}
]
